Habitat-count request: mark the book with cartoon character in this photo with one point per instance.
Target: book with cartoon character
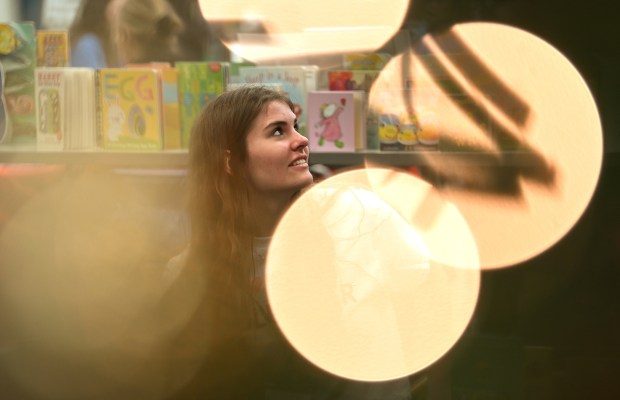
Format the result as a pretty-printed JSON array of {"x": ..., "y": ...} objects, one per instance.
[
  {"x": 351, "y": 79},
  {"x": 129, "y": 109},
  {"x": 296, "y": 80},
  {"x": 358, "y": 79},
  {"x": 403, "y": 128},
  {"x": 65, "y": 108},
  {"x": 53, "y": 48},
  {"x": 18, "y": 59},
  {"x": 337, "y": 121},
  {"x": 168, "y": 77}
]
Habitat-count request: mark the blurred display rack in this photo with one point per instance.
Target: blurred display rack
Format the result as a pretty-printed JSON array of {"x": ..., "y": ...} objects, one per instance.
[{"x": 180, "y": 158}]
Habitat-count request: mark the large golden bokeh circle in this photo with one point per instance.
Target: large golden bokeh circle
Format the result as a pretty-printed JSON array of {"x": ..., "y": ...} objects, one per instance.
[
  {"x": 520, "y": 143},
  {"x": 353, "y": 281}
]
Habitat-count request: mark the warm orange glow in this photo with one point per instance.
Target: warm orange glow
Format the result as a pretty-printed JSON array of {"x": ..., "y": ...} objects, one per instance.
[
  {"x": 81, "y": 293},
  {"x": 276, "y": 29},
  {"x": 502, "y": 93},
  {"x": 363, "y": 284}
]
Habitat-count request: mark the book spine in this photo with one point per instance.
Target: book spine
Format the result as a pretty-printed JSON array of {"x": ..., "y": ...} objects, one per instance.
[
  {"x": 50, "y": 106},
  {"x": 361, "y": 118},
  {"x": 98, "y": 110}
]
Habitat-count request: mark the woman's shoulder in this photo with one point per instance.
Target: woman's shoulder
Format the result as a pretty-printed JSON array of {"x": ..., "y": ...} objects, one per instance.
[{"x": 88, "y": 52}]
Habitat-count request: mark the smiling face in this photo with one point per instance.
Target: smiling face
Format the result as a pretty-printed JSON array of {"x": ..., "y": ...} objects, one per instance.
[{"x": 277, "y": 155}]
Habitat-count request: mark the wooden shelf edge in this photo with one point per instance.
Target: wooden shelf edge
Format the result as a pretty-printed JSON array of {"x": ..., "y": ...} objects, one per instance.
[{"x": 180, "y": 158}]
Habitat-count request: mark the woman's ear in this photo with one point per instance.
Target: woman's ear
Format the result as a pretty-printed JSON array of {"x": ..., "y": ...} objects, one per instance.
[{"x": 227, "y": 163}]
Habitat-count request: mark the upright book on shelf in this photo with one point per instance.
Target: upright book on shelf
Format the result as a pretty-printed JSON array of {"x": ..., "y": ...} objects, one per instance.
[
  {"x": 168, "y": 82},
  {"x": 199, "y": 82},
  {"x": 358, "y": 79},
  {"x": 129, "y": 109},
  {"x": 349, "y": 79},
  {"x": 53, "y": 48},
  {"x": 296, "y": 80},
  {"x": 65, "y": 108},
  {"x": 365, "y": 61},
  {"x": 18, "y": 55},
  {"x": 337, "y": 121}
]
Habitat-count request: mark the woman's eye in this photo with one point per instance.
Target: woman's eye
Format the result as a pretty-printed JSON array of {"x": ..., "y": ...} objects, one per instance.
[
  {"x": 278, "y": 132},
  {"x": 296, "y": 126}
]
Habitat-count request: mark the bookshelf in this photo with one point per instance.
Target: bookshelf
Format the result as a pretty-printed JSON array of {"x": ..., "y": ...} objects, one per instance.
[{"x": 179, "y": 158}]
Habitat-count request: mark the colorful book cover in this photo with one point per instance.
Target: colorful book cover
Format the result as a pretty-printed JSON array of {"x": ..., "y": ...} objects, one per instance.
[
  {"x": 198, "y": 83},
  {"x": 170, "y": 103},
  {"x": 234, "y": 70},
  {"x": 65, "y": 108},
  {"x": 18, "y": 58},
  {"x": 358, "y": 80},
  {"x": 365, "y": 61},
  {"x": 53, "y": 48},
  {"x": 400, "y": 129},
  {"x": 351, "y": 79},
  {"x": 129, "y": 105},
  {"x": 297, "y": 82},
  {"x": 337, "y": 121},
  {"x": 50, "y": 108}
]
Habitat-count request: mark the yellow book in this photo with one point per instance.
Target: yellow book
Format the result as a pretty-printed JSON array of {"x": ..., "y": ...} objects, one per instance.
[
  {"x": 168, "y": 77},
  {"x": 52, "y": 48},
  {"x": 129, "y": 109}
]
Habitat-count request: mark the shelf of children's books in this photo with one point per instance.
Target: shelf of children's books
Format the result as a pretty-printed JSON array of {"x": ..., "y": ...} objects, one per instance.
[
  {"x": 421, "y": 158},
  {"x": 179, "y": 158},
  {"x": 25, "y": 155}
]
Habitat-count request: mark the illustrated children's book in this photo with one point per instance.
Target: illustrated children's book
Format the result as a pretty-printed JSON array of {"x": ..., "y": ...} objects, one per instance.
[
  {"x": 18, "y": 58},
  {"x": 337, "y": 121},
  {"x": 365, "y": 61},
  {"x": 168, "y": 81},
  {"x": 65, "y": 108},
  {"x": 296, "y": 81},
  {"x": 358, "y": 80},
  {"x": 406, "y": 129},
  {"x": 351, "y": 79},
  {"x": 199, "y": 82},
  {"x": 129, "y": 109},
  {"x": 53, "y": 48}
]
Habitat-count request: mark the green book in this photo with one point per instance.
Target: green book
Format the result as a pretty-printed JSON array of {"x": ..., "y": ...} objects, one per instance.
[{"x": 199, "y": 82}]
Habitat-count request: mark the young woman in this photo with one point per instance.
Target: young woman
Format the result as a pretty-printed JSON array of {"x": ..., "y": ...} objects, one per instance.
[{"x": 248, "y": 163}]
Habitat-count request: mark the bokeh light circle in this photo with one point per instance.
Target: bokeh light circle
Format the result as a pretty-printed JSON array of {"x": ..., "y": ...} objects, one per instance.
[
  {"x": 353, "y": 281},
  {"x": 520, "y": 139},
  {"x": 268, "y": 30}
]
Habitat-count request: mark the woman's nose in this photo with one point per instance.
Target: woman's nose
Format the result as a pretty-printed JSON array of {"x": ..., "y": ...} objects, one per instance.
[{"x": 299, "y": 141}]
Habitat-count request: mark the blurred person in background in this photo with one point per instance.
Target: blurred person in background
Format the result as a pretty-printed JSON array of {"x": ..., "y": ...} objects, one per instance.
[
  {"x": 92, "y": 44},
  {"x": 147, "y": 31},
  {"x": 197, "y": 41}
]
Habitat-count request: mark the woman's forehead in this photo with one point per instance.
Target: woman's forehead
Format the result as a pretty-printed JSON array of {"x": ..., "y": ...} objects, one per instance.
[{"x": 277, "y": 109}]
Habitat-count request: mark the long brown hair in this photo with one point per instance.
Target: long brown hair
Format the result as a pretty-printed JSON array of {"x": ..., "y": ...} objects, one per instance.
[{"x": 219, "y": 202}]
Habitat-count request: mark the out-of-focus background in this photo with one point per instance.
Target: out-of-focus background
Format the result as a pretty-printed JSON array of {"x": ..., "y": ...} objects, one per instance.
[{"x": 545, "y": 328}]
